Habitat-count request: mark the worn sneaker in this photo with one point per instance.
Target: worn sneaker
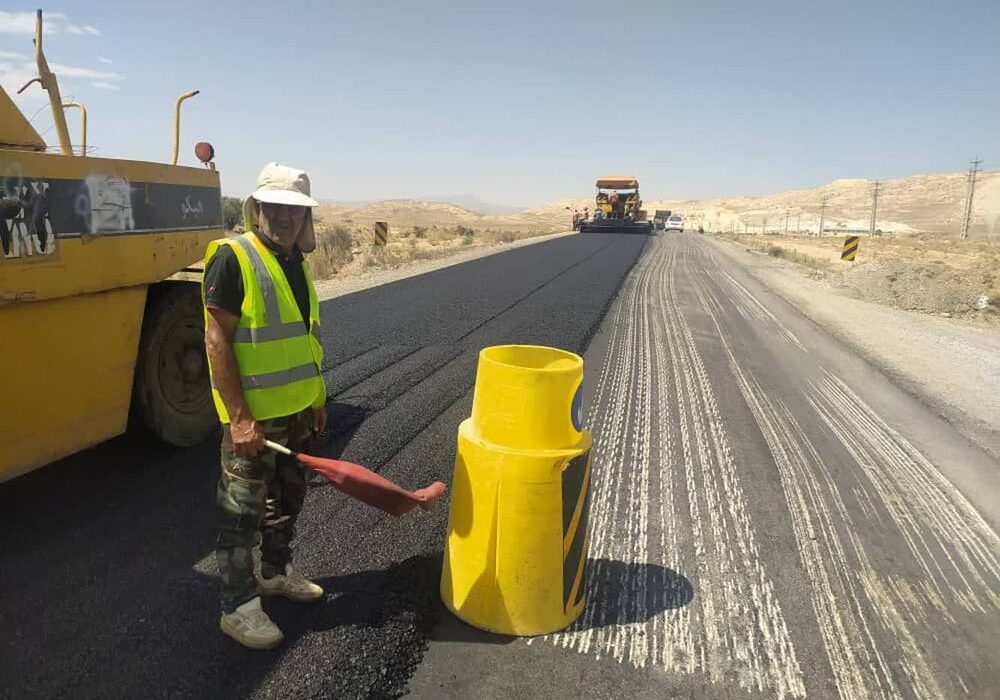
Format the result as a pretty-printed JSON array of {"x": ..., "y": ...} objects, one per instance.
[
  {"x": 250, "y": 626},
  {"x": 292, "y": 585}
]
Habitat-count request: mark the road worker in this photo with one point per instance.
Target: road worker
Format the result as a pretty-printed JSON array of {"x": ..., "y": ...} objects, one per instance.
[{"x": 264, "y": 352}]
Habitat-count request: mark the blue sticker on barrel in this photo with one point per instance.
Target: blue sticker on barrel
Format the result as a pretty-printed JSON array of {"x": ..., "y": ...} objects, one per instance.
[{"x": 577, "y": 409}]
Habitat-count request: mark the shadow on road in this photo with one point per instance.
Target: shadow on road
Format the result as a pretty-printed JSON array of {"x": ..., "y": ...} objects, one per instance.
[
  {"x": 621, "y": 593},
  {"x": 103, "y": 571},
  {"x": 401, "y": 593},
  {"x": 342, "y": 421}
]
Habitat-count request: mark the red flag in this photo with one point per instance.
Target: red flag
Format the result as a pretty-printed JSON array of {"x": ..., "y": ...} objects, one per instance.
[{"x": 367, "y": 486}]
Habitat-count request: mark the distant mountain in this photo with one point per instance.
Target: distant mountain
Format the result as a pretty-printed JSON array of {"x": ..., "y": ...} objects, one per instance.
[
  {"x": 411, "y": 212},
  {"x": 468, "y": 202},
  {"x": 474, "y": 204}
]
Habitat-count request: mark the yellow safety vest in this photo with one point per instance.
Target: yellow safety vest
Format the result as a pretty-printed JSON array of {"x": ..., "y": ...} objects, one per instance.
[{"x": 279, "y": 360}]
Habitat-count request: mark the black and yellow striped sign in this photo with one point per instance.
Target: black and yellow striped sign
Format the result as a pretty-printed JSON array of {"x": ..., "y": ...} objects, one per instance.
[
  {"x": 850, "y": 248},
  {"x": 381, "y": 233},
  {"x": 576, "y": 508}
]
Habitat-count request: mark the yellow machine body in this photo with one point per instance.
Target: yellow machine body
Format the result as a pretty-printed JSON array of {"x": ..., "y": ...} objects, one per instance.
[
  {"x": 83, "y": 241},
  {"x": 71, "y": 313},
  {"x": 516, "y": 549}
]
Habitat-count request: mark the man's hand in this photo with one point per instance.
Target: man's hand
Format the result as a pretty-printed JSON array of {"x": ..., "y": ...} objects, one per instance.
[
  {"x": 319, "y": 420},
  {"x": 248, "y": 438}
]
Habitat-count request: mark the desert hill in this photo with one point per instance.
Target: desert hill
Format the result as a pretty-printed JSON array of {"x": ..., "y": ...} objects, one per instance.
[
  {"x": 920, "y": 203},
  {"x": 408, "y": 213}
]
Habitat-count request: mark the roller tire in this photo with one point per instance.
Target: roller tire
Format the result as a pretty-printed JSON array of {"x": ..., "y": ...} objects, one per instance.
[{"x": 171, "y": 395}]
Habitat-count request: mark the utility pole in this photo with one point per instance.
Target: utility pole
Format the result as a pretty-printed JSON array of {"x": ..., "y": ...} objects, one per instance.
[
  {"x": 967, "y": 218},
  {"x": 746, "y": 228},
  {"x": 876, "y": 187},
  {"x": 798, "y": 225},
  {"x": 822, "y": 215},
  {"x": 786, "y": 221},
  {"x": 763, "y": 227}
]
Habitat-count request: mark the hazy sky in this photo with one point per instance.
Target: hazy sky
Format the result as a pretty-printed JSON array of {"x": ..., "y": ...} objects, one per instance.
[{"x": 521, "y": 103}]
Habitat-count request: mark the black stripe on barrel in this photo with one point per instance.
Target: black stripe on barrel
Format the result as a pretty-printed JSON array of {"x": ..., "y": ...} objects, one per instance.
[{"x": 575, "y": 510}]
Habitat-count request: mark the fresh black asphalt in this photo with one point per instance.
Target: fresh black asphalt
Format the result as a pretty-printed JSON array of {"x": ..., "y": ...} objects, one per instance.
[{"x": 108, "y": 587}]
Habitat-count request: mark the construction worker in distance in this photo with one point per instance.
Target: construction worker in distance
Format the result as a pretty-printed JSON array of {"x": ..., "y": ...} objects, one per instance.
[
  {"x": 265, "y": 355},
  {"x": 615, "y": 212},
  {"x": 631, "y": 204}
]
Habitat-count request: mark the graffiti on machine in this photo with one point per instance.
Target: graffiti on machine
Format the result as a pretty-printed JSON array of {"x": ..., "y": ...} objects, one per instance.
[
  {"x": 25, "y": 229},
  {"x": 36, "y": 213}
]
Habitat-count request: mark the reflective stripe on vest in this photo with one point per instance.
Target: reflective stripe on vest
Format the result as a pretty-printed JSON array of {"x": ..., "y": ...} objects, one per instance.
[
  {"x": 279, "y": 361},
  {"x": 275, "y": 329},
  {"x": 269, "y": 380}
]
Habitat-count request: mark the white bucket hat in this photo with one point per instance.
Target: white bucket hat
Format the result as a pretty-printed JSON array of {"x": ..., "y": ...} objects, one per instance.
[{"x": 279, "y": 184}]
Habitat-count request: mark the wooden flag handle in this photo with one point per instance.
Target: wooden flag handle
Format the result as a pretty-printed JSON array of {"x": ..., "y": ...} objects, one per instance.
[{"x": 280, "y": 448}]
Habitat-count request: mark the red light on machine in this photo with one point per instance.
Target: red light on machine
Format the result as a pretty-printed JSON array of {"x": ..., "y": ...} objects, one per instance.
[{"x": 204, "y": 151}]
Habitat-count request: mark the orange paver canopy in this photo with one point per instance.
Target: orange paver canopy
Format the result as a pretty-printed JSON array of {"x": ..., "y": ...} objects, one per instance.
[{"x": 617, "y": 182}]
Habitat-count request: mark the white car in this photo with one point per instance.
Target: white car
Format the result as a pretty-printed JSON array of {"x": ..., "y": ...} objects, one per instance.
[{"x": 674, "y": 223}]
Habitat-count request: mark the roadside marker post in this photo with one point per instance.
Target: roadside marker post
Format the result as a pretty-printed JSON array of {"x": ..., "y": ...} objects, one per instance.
[
  {"x": 516, "y": 547},
  {"x": 850, "y": 248},
  {"x": 381, "y": 233}
]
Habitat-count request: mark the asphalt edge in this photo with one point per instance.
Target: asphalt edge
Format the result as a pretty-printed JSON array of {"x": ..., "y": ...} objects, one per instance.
[{"x": 971, "y": 428}]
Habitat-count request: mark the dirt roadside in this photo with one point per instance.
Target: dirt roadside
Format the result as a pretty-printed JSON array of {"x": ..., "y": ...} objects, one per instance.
[
  {"x": 952, "y": 365},
  {"x": 932, "y": 274}
]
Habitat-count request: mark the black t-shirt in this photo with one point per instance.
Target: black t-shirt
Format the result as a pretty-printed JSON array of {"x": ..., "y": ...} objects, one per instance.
[{"x": 224, "y": 280}]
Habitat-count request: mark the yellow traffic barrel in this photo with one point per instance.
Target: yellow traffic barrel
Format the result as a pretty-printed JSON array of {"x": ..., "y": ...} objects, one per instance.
[{"x": 516, "y": 551}]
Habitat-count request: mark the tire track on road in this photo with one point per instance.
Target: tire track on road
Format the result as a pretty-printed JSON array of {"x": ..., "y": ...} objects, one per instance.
[
  {"x": 749, "y": 304},
  {"x": 654, "y": 379},
  {"x": 859, "y": 669},
  {"x": 871, "y": 621}
]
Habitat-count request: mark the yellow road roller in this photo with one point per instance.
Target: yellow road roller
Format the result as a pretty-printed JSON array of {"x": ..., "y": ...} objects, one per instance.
[{"x": 100, "y": 309}]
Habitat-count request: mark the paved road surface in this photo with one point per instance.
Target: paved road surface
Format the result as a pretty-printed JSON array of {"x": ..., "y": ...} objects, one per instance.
[
  {"x": 771, "y": 517},
  {"x": 107, "y": 587}
]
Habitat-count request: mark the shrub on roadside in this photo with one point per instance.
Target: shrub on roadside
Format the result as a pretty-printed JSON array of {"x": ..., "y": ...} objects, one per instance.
[
  {"x": 441, "y": 235},
  {"x": 232, "y": 212},
  {"x": 334, "y": 249}
]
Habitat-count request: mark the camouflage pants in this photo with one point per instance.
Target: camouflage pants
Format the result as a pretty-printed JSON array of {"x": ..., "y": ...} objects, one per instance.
[{"x": 259, "y": 497}]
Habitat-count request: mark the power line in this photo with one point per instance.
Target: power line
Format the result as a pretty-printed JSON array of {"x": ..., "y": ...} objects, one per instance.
[
  {"x": 822, "y": 214},
  {"x": 876, "y": 188},
  {"x": 967, "y": 218}
]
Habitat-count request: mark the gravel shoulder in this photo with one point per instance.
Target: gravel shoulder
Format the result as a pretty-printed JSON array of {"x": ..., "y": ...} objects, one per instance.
[
  {"x": 951, "y": 365},
  {"x": 340, "y": 286}
]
